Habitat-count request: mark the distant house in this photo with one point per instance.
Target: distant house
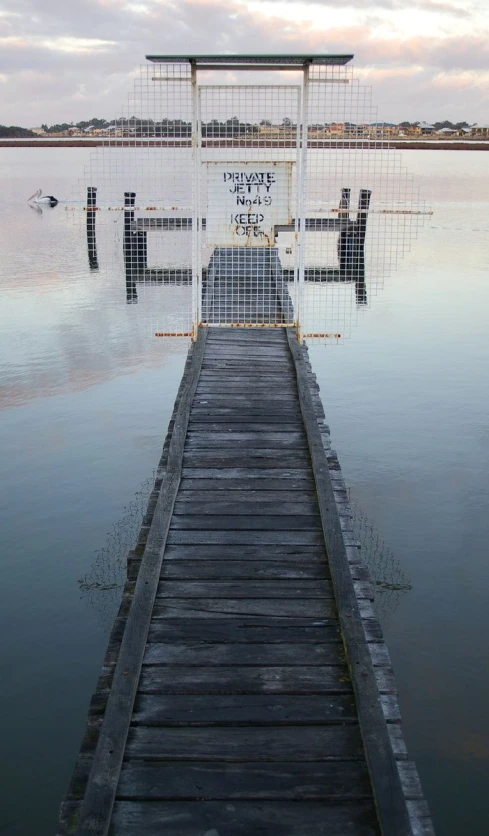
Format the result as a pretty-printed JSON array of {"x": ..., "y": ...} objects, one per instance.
[
  {"x": 38, "y": 131},
  {"x": 383, "y": 129},
  {"x": 448, "y": 131},
  {"x": 336, "y": 129},
  {"x": 480, "y": 130},
  {"x": 424, "y": 128}
]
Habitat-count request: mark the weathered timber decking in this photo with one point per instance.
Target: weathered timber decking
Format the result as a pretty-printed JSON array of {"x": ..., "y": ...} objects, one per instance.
[{"x": 246, "y": 687}]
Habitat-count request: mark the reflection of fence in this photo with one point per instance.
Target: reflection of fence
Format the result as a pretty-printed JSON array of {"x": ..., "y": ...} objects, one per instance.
[
  {"x": 388, "y": 578},
  {"x": 245, "y": 275},
  {"x": 102, "y": 586}
]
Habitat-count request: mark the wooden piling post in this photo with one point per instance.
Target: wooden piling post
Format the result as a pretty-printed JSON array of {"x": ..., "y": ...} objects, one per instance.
[
  {"x": 359, "y": 246},
  {"x": 129, "y": 246},
  {"x": 345, "y": 243},
  {"x": 91, "y": 233}
]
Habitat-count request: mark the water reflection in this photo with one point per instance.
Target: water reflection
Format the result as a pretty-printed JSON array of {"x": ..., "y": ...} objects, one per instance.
[
  {"x": 156, "y": 252},
  {"x": 35, "y": 208},
  {"x": 91, "y": 229},
  {"x": 390, "y": 582},
  {"x": 101, "y": 587}
]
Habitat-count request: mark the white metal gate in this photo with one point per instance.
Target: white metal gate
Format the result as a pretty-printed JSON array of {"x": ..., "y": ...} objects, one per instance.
[
  {"x": 248, "y": 156},
  {"x": 236, "y": 204}
]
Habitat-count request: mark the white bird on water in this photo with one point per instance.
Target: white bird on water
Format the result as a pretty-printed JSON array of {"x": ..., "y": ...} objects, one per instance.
[{"x": 46, "y": 199}]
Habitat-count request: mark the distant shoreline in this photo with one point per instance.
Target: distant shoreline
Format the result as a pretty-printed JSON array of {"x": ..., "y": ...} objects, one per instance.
[{"x": 408, "y": 145}]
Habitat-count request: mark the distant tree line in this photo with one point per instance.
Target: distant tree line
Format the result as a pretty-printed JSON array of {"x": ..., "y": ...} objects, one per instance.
[
  {"x": 14, "y": 131},
  {"x": 456, "y": 126},
  {"x": 65, "y": 126}
]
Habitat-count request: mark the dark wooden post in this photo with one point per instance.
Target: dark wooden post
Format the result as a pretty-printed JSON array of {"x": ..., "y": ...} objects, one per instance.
[
  {"x": 362, "y": 214},
  {"x": 345, "y": 239},
  {"x": 359, "y": 246},
  {"x": 91, "y": 234},
  {"x": 130, "y": 257}
]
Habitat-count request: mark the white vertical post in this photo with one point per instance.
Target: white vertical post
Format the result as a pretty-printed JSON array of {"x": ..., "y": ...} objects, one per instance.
[
  {"x": 196, "y": 208},
  {"x": 302, "y": 180},
  {"x": 298, "y": 181}
]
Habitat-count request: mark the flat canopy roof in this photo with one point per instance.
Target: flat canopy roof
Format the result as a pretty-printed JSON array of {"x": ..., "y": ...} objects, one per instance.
[{"x": 250, "y": 61}]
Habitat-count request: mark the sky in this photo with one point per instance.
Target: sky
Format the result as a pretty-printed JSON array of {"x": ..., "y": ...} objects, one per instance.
[{"x": 66, "y": 60}]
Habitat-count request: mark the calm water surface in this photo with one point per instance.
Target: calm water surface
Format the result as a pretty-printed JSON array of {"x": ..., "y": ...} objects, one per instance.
[{"x": 85, "y": 399}]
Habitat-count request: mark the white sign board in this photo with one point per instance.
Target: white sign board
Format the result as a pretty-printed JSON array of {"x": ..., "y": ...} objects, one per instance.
[{"x": 245, "y": 201}]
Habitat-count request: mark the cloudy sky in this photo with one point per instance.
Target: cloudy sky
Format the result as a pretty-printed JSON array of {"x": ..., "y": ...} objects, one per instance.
[{"x": 67, "y": 60}]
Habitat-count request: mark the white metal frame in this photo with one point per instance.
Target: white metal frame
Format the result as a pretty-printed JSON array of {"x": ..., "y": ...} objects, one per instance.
[{"x": 159, "y": 149}]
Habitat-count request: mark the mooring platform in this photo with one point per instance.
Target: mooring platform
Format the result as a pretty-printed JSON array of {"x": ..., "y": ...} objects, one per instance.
[{"x": 246, "y": 687}]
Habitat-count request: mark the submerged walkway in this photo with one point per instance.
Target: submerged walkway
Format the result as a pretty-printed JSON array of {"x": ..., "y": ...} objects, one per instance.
[{"x": 246, "y": 688}]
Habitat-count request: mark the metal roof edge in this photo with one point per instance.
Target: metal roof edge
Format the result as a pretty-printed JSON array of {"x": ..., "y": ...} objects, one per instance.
[{"x": 274, "y": 60}]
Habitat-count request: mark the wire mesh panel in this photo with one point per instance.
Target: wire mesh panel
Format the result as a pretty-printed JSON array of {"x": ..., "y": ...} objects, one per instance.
[
  {"x": 359, "y": 205},
  {"x": 249, "y": 204},
  {"x": 145, "y": 185},
  {"x": 249, "y": 156}
]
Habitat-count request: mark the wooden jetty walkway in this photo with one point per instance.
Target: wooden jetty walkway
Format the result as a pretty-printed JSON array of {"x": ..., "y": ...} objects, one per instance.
[{"x": 246, "y": 687}]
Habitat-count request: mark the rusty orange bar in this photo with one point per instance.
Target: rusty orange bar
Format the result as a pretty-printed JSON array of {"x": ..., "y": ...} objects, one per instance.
[
  {"x": 173, "y": 334},
  {"x": 329, "y": 336}
]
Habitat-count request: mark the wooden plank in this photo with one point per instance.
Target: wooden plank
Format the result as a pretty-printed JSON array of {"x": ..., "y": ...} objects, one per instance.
[
  {"x": 250, "y": 344},
  {"x": 253, "y": 388},
  {"x": 99, "y": 796},
  {"x": 240, "y": 426},
  {"x": 235, "y": 382},
  {"x": 245, "y": 522},
  {"x": 210, "y": 780},
  {"x": 267, "y": 401},
  {"x": 234, "y": 744},
  {"x": 282, "y": 369},
  {"x": 243, "y": 709},
  {"x": 229, "y": 505},
  {"x": 222, "y": 480},
  {"x": 245, "y": 569},
  {"x": 410, "y": 780},
  {"x": 241, "y": 818},
  {"x": 248, "y": 376},
  {"x": 390, "y": 801},
  {"x": 275, "y": 415},
  {"x": 246, "y": 537},
  {"x": 244, "y": 679},
  {"x": 254, "y": 458},
  {"x": 263, "y": 355},
  {"x": 252, "y": 440},
  {"x": 271, "y": 655},
  {"x": 273, "y": 553},
  {"x": 236, "y": 629},
  {"x": 246, "y": 589},
  {"x": 253, "y": 495},
  {"x": 243, "y": 607},
  {"x": 278, "y": 474},
  {"x": 243, "y": 362},
  {"x": 259, "y": 348}
]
